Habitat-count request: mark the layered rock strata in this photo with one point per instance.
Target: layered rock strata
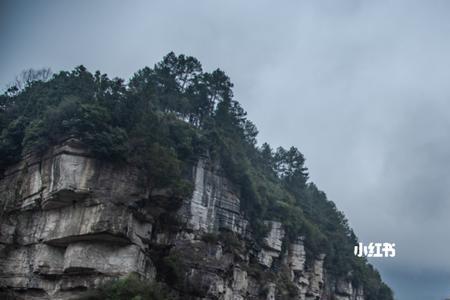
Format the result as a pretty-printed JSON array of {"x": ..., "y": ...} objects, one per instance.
[{"x": 69, "y": 223}]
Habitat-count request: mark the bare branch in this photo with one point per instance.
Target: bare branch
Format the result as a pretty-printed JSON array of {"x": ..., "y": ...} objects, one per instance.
[{"x": 26, "y": 77}]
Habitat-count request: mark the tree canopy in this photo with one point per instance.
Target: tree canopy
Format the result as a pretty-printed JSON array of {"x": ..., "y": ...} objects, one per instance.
[{"x": 162, "y": 120}]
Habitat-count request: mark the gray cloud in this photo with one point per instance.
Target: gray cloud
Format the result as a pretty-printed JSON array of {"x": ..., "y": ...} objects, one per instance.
[{"x": 359, "y": 86}]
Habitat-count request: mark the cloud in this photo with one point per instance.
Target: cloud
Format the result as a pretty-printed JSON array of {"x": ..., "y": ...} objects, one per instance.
[{"x": 359, "y": 86}]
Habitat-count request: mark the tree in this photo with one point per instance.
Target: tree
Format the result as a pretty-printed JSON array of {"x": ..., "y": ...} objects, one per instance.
[
  {"x": 182, "y": 70},
  {"x": 290, "y": 167},
  {"x": 27, "y": 77},
  {"x": 162, "y": 122}
]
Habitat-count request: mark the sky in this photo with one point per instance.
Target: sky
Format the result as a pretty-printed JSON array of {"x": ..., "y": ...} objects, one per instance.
[{"x": 360, "y": 87}]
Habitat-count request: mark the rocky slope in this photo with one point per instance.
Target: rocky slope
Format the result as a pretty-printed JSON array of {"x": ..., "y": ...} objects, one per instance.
[{"x": 69, "y": 223}]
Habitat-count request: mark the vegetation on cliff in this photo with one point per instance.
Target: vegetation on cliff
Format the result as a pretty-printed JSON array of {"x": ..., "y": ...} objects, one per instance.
[{"x": 162, "y": 120}]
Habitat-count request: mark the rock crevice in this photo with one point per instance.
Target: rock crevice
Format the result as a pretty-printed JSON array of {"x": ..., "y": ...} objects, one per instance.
[{"x": 70, "y": 222}]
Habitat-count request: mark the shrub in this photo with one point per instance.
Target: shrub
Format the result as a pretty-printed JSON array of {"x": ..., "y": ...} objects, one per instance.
[{"x": 129, "y": 288}]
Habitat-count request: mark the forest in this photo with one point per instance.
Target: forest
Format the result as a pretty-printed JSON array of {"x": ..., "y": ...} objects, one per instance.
[{"x": 162, "y": 120}]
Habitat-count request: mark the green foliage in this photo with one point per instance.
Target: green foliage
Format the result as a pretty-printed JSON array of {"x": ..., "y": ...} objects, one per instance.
[
  {"x": 228, "y": 239},
  {"x": 128, "y": 288},
  {"x": 11, "y": 141},
  {"x": 231, "y": 242},
  {"x": 91, "y": 123},
  {"x": 173, "y": 270},
  {"x": 210, "y": 238},
  {"x": 287, "y": 290},
  {"x": 162, "y": 121},
  {"x": 365, "y": 275}
]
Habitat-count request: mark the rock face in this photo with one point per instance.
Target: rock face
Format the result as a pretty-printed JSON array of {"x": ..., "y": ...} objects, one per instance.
[
  {"x": 214, "y": 204},
  {"x": 69, "y": 223}
]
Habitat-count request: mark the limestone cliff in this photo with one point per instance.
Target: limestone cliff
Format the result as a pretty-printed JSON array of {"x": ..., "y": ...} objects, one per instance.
[{"x": 69, "y": 223}]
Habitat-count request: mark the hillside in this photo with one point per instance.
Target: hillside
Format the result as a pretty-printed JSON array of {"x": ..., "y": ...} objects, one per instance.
[{"x": 161, "y": 177}]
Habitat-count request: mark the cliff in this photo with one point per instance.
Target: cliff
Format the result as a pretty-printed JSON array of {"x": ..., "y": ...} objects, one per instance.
[
  {"x": 70, "y": 222},
  {"x": 160, "y": 181}
]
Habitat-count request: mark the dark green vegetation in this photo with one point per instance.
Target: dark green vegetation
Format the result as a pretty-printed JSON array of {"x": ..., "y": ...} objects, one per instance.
[
  {"x": 129, "y": 288},
  {"x": 162, "y": 120}
]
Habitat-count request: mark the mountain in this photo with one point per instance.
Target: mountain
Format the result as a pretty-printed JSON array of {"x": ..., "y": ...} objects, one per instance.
[{"x": 156, "y": 188}]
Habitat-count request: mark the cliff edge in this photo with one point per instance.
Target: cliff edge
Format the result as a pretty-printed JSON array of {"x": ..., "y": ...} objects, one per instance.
[{"x": 70, "y": 222}]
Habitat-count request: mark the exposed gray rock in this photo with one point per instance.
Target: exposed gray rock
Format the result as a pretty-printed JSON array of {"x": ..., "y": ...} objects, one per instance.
[
  {"x": 272, "y": 243},
  {"x": 215, "y": 203},
  {"x": 87, "y": 257},
  {"x": 344, "y": 288},
  {"x": 66, "y": 224},
  {"x": 316, "y": 279},
  {"x": 297, "y": 256},
  {"x": 274, "y": 239},
  {"x": 69, "y": 223},
  {"x": 271, "y": 291}
]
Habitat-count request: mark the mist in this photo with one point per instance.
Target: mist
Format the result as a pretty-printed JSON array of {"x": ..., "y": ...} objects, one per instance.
[{"x": 360, "y": 87}]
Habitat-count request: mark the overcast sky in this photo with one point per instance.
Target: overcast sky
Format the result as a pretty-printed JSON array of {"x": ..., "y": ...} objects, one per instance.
[{"x": 360, "y": 87}]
